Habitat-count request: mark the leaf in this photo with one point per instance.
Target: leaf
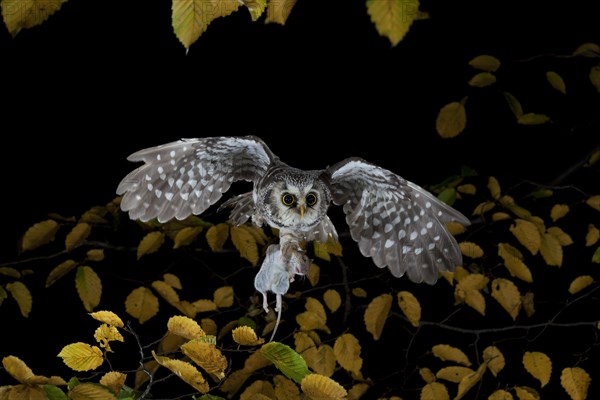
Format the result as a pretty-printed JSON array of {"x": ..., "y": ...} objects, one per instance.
[
  {"x": 319, "y": 387},
  {"x": 223, "y": 297},
  {"x": 528, "y": 303},
  {"x": 576, "y": 382},
  {"x": 255, "y": 8},
  {"x": 290, "y": 363},
  {"x": 323, "y": 250},
  {"x": 186, "y": 371},
  {"x": 43, "y": 232},
  {"x": 454, "y": 373},
  {"x": 467, "y": 189},
  {"x": 538, "y": 365},
  {"x": 89, "y": 391},
  {"x": 185, "y": 327},
  {"x": 113, "y": 380},
  {"x": 594, "y": 202},
  {"x": 494, "y": 187},
  {"x": 467, "y": 291},
  {"x": 81, "y": 357},
  {"x": 556, "y": 81},
  {"x": 485, "y": 62},
  {"x": 78, "y": 235},
  {"x": 410, "y": 306},
  {"x": 23, "y": 14},
  {"x": 245, "y": 336},
  {"x": 595, "y": 77},
  {"x": 448, "y": 196},
  {"x": 483, "y": 207},
  {"x": 58, "y": 272},
  {"x": 313, "y": 274},
  {"x": 22, "y": 296},
  {"x": 434, "y": 391},
  {"x": 95, "y": 255},
  {"x": 258, "y": 390},
  {"x": 279, "y": 11},
  {"x": 448, "y": 353},
  {"x": 376, "y": 314},
  {"x": 320, "y": 359},
  {"x": 533, "y": 119},
  {"x": 107, "y": 333},
  {"x": 507, "y": 294},
  {"x": 563, "y": 238},
  {"x": 153, "y": 240},
  {"x": 359, "y": 292},
  {"x": 108, "y": 317},
  {"x": 89, "y": 287},
  {"x": 285, "y": 388},
  {"x": 451, "y": 119},
  {"x": 527, "y": 234},
  {"x": 166, "y": 292},
  {"x": 17, "y": 368},
  {"x": 500, "y": 395},
  {"x": 596, "y": 256},
  {"x": 512, "y": 261},
  {"x": 245, "y": 243},
  {"x": 469, "y": 381},
  {"x": 332, "y": 299},
  {"x": 513, "y": 104},
  {"x": 357, "y": 391},
  {"x": 427, "y": 375},
  {"x": 558, "y": 211},
  {"x": 347, "y": 353},
  {"x": 591, "y": 50},
  {"x": 54, "y": 393},
  {"x": 482, "y": 79},
  {"x": 495, "y": 359},
  {"x": 207, "y": 356},
  {"x": 186, "y": 235},
  {"x": 314, "y": 317},
  {"x": 393, "y": 18},
  {"x": 8, "y": 271},
  {"x": 190, "y": 18},
  {"x": 471, "y": 250},
  {"x": 217, "y": 235},
  {"x": 526, "y": 393},
  {"x": 580, "y": 283},
  {"x": 204, "y": 305},
  {"x": 551, "y": 250},
  {"x": 142, "y": 304},
  {"x": 592, "y": 235}
]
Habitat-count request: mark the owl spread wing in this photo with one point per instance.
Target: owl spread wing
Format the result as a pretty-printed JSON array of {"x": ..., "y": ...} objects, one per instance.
[
  {"x": 187, "y": 176},
  {"x": 397, "y": 223}
]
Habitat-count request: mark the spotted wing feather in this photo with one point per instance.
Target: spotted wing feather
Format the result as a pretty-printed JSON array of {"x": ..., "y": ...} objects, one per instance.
[
  {"x": 397, "y": 223},
  {"x": 187, "y": 176}
]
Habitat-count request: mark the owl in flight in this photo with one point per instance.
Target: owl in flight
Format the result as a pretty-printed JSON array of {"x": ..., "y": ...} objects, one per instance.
[{"x": 398, "y": 224}]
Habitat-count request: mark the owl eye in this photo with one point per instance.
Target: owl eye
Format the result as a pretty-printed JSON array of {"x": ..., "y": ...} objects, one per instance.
[
  {"x": 311, "y": 199},
  {"x": 288, "y": 199}
]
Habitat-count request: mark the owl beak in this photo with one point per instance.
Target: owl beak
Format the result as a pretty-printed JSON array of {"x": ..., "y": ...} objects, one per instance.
[{"x": 302, "y": 208}]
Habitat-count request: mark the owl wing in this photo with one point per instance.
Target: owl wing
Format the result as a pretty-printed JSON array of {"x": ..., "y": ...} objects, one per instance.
[
  {"x": 397, "y": 223},
  {"x": 187, "y": 176}
]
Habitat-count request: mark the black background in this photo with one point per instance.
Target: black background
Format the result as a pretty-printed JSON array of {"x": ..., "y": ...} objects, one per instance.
[{"x": 99, "y": 81}]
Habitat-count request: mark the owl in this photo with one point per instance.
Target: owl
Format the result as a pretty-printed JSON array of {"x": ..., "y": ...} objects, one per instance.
[{"x": 395, "y": 222}]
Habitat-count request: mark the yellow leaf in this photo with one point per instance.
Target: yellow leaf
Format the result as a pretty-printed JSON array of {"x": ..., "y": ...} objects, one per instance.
[
  {"x": 204, "y": 305},
  {"x": 285, "y": 388},
  {"x": 190, "y": 18},
  {"x": 556, "y": 81},
  {"x": 527, "y": 234},
  {"x": 207, "y": 356},
  {"x": 87, "y": 391},
  {"x": 526, "y": 393},
  {"x": 592, "y": 159},
  {"x": 89, "y": 287},
  {"x": 563, "y": 238},
  {"x": 454, "y": 373},
  {"x": 166, "y": 292},
  {"x": 23, "y": 14},
  {"x": 591, "y": 50},
  {"x": 558, "y": 211},
  {"x": 482, "y": 79},
  {"x": 494, "y": 188},
  {"x": 514, "y": 104},
  {"x": 500, "y": 395},
  {"x": 410, "y": 306},
  {"x": 595, "y": 77},
  {"x": 580, "y": 283},
  {"x": 303, "y": 341},
  {"x": 255, "y": 8},
  {"x": 258, "y": 390},
  {"x": 455, "y": 228},
  {"x": 17, "y": 368},
  {"x": 78, "y": 234},
  {"x": 186, "y": 235},
  {"x": 320, "y": 360},
  {"x": 533, "y": 119},
  {"x": 494, "y": 359},
  {"x": 209, "y": 326},
  {"x": 107, "y": 333},
  {"x": 594, "y": 201},
  {"x": 469, "y": 381},
  {"x": 217, "y": 235},
  {"x": 592, "y": 236},
  {"x": 22, "y": 296},
  {"x": 185, "y": 327},
  {"x": 377, "y": 313},
  {"x": 58, "y": 272},
  {"x": 332, "y": 299},
  {"x": 245, "y": 336},
  {"x": 472, "y": 297},
  {"x": 538, "y": 365},
  {"x": 113, "y": 380},
  {"x": 359, "y": 292},
  {"x": 173, "y": 281},
  {"x": 499, "y": 216},
  {"x": 512, "y": 261},
  {"x": 186, "y": 371},
  {"x": 393, "y": 18},
  {"x": 467, "y": 189},
  {"x": 41, "y": 233},
  {"x": 245, "y": 243},
  {"x": 142, "y": 304},
  {"x": 95, "y": 255},
  {"x": 347, "y": 353},
  {"x": 451, "y": 119},
  {"x": 81, "y": 356},
  {"x": 319, "y": 387},
  {"x": 448, "y": 353},
  {"x": 427, "y": 375},
  {"x": 152, "y": 241},
  {"x": 108, "y": 317},
  {"x": 483, "y": 207},
  {"x": 485, "y": 63},
  {"x": 528, "y": 303},
  {"x": 279, "y": 11},
  {"x": 551, "y": 250},
  {"x": 223, "y": 297},
  {"x": 314, "y": 274},
  {"x": 357, "y": 391},
  {"x": 434, "y": 391},
  {"x": 507, "y": 294},
  {"x": 8, "y": 271},
  {"x": 309, "y": 320},
  {"x": 471, "y": 250},
  {"x": 576, "y": 382},
  {"x": 257, "y": 233}
]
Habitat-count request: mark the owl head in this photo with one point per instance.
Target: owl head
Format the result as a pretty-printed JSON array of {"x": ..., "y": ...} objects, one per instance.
[{"x": 295, "y": 199}]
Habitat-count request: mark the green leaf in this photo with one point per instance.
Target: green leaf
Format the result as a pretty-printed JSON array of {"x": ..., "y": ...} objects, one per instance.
[
  {"x": 54, "y": 393},
  {"x": 514, "y": 104},
  {"x": 451, "y": 119},
  {"x": 482, "y": 79},
  {"x": 3, "y": 295},
  {"x": 39, "y": 234},
  {"x": 596, "y": 256},
  {"x": 556, "y": 81},
  {"x": 448, "y": 196},
  {"x": 393, "y": 18},
  {"x": 256, "y": 8},
  {"x": 485, "y": 63},
  {"x": 290, "y": 363},
  {"x": 22, "y": 14},
  {"x": 533, "y": 119}
]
